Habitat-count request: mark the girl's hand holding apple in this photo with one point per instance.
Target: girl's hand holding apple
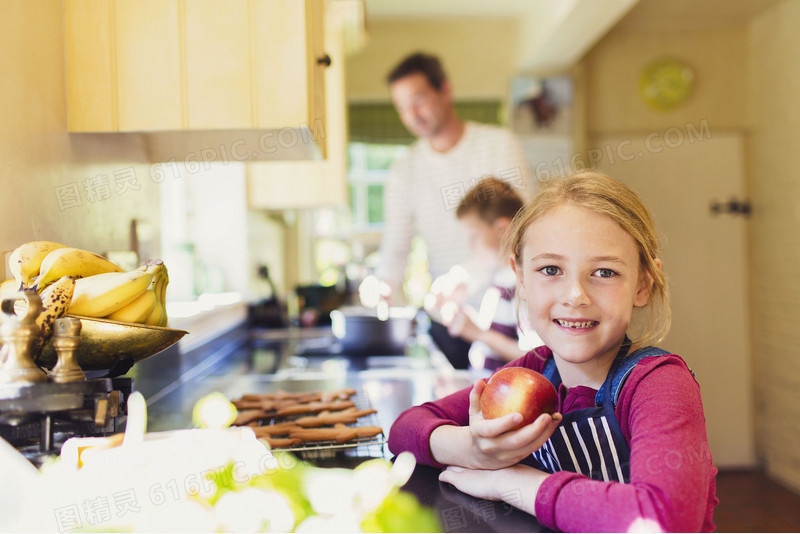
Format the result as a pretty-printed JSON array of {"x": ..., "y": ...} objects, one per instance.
[{"x": 501, "y": 442}]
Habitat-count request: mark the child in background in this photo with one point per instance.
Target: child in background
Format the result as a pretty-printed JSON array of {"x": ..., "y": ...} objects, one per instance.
[
  {"x": 486, "y": 212},
  {"x": 630, "y": 451}
]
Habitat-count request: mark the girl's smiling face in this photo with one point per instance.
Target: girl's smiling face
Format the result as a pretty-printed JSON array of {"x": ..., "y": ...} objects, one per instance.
[{"x": 579, "y": 277}]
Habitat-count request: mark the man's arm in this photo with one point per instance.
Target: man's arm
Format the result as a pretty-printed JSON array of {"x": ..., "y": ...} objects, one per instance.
[{"x": 398, "y": 227}]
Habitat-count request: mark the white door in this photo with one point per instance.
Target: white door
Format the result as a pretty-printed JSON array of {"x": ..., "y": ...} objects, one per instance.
[{"x": 705, "y": 258}]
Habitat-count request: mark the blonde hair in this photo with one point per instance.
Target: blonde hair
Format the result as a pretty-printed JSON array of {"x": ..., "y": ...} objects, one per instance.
[{"x": 606, "y": 196}]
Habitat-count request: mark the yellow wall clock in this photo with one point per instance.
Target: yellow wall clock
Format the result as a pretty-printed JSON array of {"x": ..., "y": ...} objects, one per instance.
[{"x": 666, "y": 83}]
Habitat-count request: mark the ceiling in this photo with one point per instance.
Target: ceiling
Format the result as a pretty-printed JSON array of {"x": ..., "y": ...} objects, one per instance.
[
  {"x": 646, "y": 15},
  {"x": 554, "y": 34},
  {"x": 387, "y": 9},
  {"x": 680, "y": 15}
]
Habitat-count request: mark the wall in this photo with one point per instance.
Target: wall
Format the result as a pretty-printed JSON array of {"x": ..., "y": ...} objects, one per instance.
[
  {"x": 697, "y": 154},
  {"x": 467, "y": 47},
  {"x": 266, "y": 247},
  {"x": 774, "y": 85},
  {"x": 40, "y": 163},
  {"x": 204, "y": 230},
  {"x": 613, "y": 68}
]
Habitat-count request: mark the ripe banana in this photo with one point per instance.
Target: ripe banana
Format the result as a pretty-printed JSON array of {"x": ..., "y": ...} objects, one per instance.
[
  {"x": 138, "y": 309},
  {"x": 158, "y": 317},
  {"x": 163, "y": 297},
  {"x": 73, "y": 262},
  {"x": 24, "y": 261},
  {"x": 102, "y": 294},
  {"x": 56, "y": 299},
  {"x": 148, "y": 307}
]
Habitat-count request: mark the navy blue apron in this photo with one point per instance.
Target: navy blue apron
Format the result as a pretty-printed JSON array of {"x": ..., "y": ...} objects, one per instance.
[{"x": 589, "y": 441}]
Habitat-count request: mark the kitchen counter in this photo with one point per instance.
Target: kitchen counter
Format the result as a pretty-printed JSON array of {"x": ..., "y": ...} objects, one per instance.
[
  {"x": 298, "y": 360},
  {"x": 292, "y": 359}
]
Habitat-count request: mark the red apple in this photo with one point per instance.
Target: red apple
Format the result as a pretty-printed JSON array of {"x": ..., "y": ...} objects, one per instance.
[{"x": 518, "y": 389}]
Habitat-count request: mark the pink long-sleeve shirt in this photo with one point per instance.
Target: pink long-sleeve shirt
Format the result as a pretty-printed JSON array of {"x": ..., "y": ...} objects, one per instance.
[{"x": 672, "y": 477}]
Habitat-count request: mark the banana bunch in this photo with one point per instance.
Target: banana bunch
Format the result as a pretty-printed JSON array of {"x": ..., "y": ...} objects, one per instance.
[
  {"x": 133, "y": 297},
  {"x": 40, "y": 263},
  {"x": 99, "y": 287}
]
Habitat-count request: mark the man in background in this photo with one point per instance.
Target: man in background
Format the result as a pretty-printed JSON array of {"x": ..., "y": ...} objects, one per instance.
[{"x": 426, "y": 185}]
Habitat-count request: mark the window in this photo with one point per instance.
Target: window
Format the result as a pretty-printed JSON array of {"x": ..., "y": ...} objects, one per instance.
[{"x": 368, "y": 169}]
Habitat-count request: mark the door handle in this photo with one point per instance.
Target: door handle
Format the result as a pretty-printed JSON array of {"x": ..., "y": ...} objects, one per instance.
[{"x": 734, "y": 206}]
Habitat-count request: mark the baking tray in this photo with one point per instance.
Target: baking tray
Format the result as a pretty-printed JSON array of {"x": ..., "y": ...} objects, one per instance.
[
  {"x": 358, "y": 447},
  {"x": 372, "y": 447}
]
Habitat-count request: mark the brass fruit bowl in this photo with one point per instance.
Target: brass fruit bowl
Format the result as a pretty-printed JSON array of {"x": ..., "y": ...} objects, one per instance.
[{"x": 104, "y": 341}]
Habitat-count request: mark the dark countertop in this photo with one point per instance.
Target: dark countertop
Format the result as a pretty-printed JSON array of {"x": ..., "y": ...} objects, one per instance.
[
  {"x": 292, "y": 359},
  {"x": 459, "y": 512},
  {"x": 295, "y": 360}
]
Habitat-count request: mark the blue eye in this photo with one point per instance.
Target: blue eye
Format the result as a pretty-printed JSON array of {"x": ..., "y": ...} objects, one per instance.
[
  {"x": 605, "y": 273},
  {"x": 550, "y": 270}
]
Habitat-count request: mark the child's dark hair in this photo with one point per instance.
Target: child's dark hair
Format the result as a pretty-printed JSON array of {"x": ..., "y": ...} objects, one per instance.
[
  {"x": 490, "y": 199},
  {"x": 422, "y": 63}
]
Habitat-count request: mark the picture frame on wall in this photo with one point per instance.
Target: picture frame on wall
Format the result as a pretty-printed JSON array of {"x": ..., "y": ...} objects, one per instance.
[
  {"x": 541, "y": 115},
  {"x": 541, "y": 105}
]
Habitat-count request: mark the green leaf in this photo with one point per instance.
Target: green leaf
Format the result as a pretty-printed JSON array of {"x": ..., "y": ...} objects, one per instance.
[
  {"x": 224, "y": 481},
  {"x": 401, "y": 512},
  {"x": 287, "y": 479}
]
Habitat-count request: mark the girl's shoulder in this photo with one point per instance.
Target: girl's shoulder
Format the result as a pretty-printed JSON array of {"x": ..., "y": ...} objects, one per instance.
[
  {"x": 648, "y": 357},
  {"x": 645, "y": 360},
  {"x": 657, "y": 371}
]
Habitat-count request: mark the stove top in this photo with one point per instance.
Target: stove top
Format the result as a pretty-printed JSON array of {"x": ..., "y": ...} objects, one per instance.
[{"x": 38, "y": 418}]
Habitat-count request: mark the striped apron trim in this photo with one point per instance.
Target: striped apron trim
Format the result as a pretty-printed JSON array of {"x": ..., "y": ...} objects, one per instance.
[{"x": 589, "y": 441}]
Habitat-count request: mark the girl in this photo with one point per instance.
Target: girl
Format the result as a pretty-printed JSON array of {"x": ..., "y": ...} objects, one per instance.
[{"x": 630, "y": 450}]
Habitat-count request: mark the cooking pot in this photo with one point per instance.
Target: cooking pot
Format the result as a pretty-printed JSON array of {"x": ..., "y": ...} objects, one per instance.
[{"x": 361, "y": 331}]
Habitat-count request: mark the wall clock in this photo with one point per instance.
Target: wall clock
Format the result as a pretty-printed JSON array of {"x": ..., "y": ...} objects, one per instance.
[{"x": 666, "y": 83}]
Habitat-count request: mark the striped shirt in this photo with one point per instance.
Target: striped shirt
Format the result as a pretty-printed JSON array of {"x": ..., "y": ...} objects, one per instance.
[{"x": 425, "y": 187}]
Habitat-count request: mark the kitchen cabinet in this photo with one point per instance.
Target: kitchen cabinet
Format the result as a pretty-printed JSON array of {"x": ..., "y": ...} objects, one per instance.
[
  {"x": 220, "y": 80},
  {"x": 144, "y": 79},
  {"x": 306, "y": 184},
  {"x": 178, "y": 65}
]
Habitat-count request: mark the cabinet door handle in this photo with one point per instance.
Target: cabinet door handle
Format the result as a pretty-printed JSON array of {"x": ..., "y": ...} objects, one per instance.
[{"x": 324, "y": 60}]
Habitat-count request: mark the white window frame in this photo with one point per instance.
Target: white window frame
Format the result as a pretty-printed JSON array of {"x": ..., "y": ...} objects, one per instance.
[{"x": 359, "y": 177}]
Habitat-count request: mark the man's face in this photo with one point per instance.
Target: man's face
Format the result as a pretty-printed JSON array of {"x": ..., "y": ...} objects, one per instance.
[{"x": 422, "y": 108}]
